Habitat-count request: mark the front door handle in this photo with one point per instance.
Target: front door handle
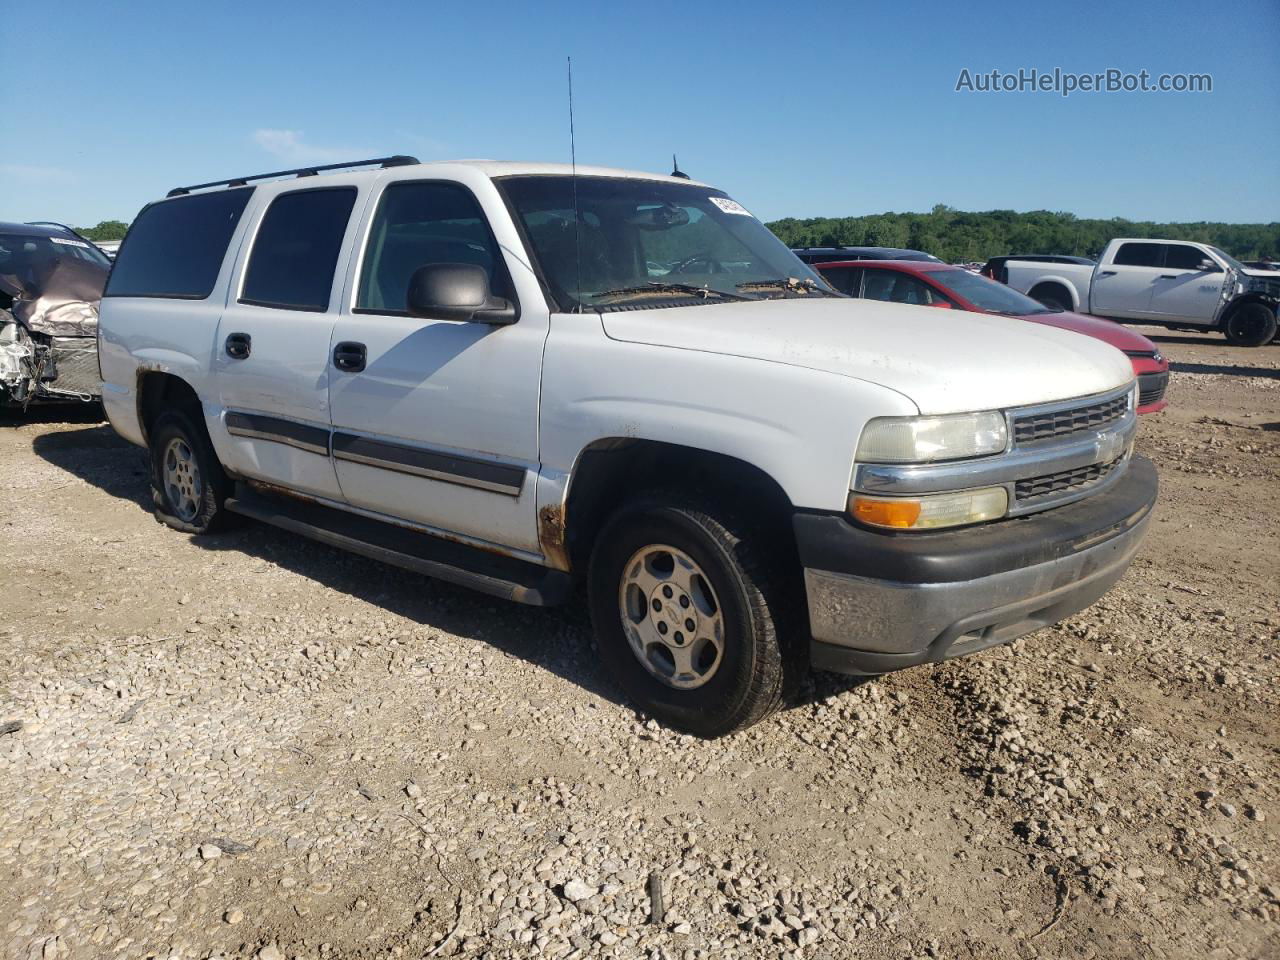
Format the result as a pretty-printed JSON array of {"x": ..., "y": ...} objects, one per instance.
[
  {"x": 238, "y": 345},
  {"x": 349, "y": 356},
  {"x": 1167, "y": 276}
]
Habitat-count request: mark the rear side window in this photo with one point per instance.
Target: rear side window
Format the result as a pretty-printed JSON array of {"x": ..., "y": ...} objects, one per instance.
[
  {"x": 845, "y": 279},
  {"x": 894, "y": 287},
  {"x": 1140, "y": 255},
  {"x": 175, "y": 248},
  {"x": 419, "y": 224},
  {"x": 296, "y": 249}
]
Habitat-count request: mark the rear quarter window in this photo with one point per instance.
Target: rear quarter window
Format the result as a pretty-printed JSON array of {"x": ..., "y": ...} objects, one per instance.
[{"x": 175, "y": 248}]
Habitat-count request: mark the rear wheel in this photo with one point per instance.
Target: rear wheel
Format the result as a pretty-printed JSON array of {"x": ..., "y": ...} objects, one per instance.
[
  {"x": 687, "y": 609},
  {"x": 187, "y": 481},
  {"x": 1250, "y": 325},
  {"x": 1052, "y": 296}
]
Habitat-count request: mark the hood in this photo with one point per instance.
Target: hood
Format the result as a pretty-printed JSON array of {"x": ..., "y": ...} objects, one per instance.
[
  {"x": 1108, "y": 331},
  {"x": 60, "y": 299},
  {"x": 946, "y": 361},
  {"x": 1255, "y": 272}
]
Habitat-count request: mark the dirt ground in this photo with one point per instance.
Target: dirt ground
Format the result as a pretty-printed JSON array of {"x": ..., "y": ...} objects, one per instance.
[{"x": 253, "y": 745}]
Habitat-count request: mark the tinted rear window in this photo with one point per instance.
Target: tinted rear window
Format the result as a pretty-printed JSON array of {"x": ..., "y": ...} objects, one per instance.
[
  {"x": 175, "y": 247},
  {"x": 297, "y": 249},
  {"x": 1140, "y": 255}
]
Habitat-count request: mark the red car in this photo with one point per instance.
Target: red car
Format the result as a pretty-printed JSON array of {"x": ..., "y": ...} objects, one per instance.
[{"x": 942, "y": 285}]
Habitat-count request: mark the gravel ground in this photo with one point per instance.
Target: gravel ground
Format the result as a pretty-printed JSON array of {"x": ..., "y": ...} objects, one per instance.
[{"x": 251, "y": 745}]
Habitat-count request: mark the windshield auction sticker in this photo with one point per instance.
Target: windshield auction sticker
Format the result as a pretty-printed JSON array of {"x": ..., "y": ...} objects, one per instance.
[{"x": 730, "y": 206}]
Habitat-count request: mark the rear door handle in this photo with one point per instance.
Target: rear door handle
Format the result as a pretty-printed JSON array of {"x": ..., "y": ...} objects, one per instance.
[
  {"x": 1107, "y": 273},
  {"x": 238, "y": 345},
  {"x": 1167, "y": 276},
  {"x": 349, "y": 356}
]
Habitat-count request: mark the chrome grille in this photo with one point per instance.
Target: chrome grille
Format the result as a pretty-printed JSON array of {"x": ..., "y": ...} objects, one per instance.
[
  {"x": 1065, "y": 481},
  {"x": 1057, "y": 423},
  {"x": 1151, "y": 387}
]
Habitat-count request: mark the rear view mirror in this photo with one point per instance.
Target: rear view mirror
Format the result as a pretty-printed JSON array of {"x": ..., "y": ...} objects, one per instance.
[{"x": 457, "y": 291}]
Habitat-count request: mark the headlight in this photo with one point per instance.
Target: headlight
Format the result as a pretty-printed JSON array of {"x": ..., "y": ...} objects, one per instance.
[
  {"x": 1133, "y": 397},
  {"x": 931, "y": 512},
  {"x": 929, "y": 439}
]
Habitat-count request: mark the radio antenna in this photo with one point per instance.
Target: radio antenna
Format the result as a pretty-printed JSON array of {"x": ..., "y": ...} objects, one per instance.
[{"x": 577, "y": 214}]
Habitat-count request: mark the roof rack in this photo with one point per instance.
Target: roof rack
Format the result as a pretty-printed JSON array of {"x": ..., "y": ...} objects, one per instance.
[{"x": 398, "y": 160}]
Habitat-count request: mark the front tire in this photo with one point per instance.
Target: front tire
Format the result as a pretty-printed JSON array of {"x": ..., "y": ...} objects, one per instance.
[
  {"x": 188, "y": 484},
  {"x": 689, "y": 615},
  {"x": 1250, "y": 325}
]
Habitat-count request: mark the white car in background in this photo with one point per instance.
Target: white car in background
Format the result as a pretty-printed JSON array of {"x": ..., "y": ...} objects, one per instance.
[{"x": 1172, "y": 283}]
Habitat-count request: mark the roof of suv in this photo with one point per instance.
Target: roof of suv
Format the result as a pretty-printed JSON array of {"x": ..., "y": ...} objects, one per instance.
[{"x": 489, "y": 168}]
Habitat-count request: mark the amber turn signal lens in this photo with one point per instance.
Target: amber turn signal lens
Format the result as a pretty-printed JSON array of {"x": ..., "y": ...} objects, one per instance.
[
  {"x": 902, "y": 514},
  {"x": 929, "y": 512}
]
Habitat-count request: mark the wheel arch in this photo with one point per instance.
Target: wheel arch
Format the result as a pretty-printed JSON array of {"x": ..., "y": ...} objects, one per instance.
[
  {"x": 611, "y": 470},
  {"x": 1271, "y": 303},
  {"x": 159, "y": 390},
  {"x": 1055, "y": 285}
]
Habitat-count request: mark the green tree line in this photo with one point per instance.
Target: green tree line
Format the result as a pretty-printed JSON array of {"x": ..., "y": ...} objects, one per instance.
[
  {"x": 957, "y": 236},
  {"x": 105, "y": 230}
]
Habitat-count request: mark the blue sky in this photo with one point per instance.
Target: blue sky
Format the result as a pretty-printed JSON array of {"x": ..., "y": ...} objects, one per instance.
[{"x": 797, "y": 110}]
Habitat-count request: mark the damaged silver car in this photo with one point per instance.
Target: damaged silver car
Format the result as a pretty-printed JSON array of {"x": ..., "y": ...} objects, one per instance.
[{"x": 51, "y": 282}]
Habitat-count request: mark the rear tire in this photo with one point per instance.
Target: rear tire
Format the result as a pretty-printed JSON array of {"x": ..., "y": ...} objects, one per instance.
[
  {"x": 1052, "y": 296},
  {"x": 661, "y": 564},
  {"x": 1250, "y": 325},
  {"x": 188, "y": 484}
]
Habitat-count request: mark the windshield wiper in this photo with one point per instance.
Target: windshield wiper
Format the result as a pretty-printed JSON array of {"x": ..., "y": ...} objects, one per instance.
[
  {"x": 788, "y": 284},
  {"x": 659, "y": 289}
]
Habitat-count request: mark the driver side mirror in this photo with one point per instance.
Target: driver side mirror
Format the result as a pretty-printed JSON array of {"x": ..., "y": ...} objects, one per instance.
[
  {"x": 457, "y": 291},
  {"x": 1208, "y": 266}
]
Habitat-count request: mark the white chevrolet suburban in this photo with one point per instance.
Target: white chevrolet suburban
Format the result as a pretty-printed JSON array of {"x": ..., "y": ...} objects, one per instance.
[
  {"x": 1172, "y": 283},
  {"x": 521, "y": 377}
]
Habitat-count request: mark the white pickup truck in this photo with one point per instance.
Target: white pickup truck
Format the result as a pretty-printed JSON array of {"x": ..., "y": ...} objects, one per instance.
[
  {"x": 521, "y": 378},
  {"x": 1172, "y": 283}
]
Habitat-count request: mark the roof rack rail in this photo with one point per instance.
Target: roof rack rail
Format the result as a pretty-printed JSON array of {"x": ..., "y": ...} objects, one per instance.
[{"x": 399, "y": 160}]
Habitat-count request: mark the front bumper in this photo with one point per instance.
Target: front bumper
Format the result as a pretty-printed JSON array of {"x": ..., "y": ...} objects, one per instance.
[{"x": 884, "y": 601}]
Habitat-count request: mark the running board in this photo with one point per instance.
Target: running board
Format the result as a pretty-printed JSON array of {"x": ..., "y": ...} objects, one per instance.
[{"x": 448, "y": 560}]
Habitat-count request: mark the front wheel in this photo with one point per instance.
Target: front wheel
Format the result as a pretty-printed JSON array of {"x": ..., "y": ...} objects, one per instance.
[
  {"x": 686, "y": 606},
  {"x": 1251, "y": 325},
  {"x": 187, "y": 481}
]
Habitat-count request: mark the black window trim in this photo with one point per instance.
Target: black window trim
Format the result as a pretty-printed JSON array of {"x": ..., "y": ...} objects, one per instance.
[
  {"x": 368, "y": 231},
  {"x": 221, "y": 263},
  {"x": 244, "y": 272}
]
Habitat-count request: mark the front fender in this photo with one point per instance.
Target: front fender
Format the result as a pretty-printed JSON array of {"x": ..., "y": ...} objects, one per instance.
[{"x": 800, "y": 426}]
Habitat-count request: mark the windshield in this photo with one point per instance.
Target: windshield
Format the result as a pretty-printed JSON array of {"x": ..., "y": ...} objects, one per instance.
[
  {"x": 987, "y": 294},
  {"x": 1232, "y": 262},
  {"x": 29, "y": 260},
  {"x": 652, "y": 241}
]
